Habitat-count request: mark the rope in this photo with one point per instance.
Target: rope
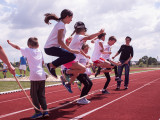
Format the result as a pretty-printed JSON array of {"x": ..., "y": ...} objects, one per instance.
[{"x": 55, "y": 107}]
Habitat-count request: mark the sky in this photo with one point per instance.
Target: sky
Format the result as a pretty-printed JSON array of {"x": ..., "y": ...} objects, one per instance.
[{"x": 139, "y": 19}]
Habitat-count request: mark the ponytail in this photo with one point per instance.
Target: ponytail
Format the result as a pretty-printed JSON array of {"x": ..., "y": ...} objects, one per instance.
[
  {"x": 73, "y": 33},
  {"x": 49, "y": 16},
  {"x": 64, "y": 14}
]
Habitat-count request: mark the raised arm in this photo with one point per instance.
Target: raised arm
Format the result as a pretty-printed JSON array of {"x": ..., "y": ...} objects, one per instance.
[
  {"x": 13, "y": 45},
  {"x": 90, "y": 37},
  {"x": 4, "y": 58},
  {"x": 115, "y": 55}
]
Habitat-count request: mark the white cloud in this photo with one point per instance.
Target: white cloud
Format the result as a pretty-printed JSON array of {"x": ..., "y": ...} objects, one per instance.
[{"x": 140, "y": 19}]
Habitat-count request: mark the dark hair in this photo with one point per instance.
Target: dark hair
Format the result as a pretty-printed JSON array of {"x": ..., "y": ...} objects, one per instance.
[
  {"x": 79, "y": 26},
  {"x": 64, "y": 14},
  {"x": 33, "y": 41},
  {"x": 129, "y": 38},
  {"x": 112, "y": 38},
  {"x": 84, "y": 46},
  {"x": 101, "y": 35}
]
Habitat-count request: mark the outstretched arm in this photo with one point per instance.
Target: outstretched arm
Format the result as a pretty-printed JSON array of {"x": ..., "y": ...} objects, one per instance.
[
  {"x": 90, "y": 37},
  {"x": 115, "y": 55},
  {"x": 13, "y": 45},
  {"x": 4, "y": 58}
]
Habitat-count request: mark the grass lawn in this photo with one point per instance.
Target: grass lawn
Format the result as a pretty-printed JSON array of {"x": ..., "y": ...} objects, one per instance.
[
  {"x": 12, "y": 85},
  {"x": 9, "y": 75},
  {"x": 7, "y": 86}
]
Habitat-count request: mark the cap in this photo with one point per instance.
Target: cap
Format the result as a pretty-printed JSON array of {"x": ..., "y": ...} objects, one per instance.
[{"x": 79, "y": 24}]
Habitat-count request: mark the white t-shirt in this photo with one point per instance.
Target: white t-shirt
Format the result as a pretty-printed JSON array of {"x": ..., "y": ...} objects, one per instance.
[
  {"x": 53, "y": 37},
  {"x": 107, "y": 48},
  {"x": 96, "y": 52},
  {"x": 34, "y": 58},
  {"x": 77, "y": 43},
  {"x": 83, "y": 60}
]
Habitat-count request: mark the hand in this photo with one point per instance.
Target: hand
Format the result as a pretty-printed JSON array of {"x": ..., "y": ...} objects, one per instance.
[
  {"x": 92, "y": 41},
  {"x": 75, "y": 51},
  {"x": 126, "y": 62},
  {"x": 119, "y": 64},
  {"x": 8, "y": 41},
  {"x": 109, "y": 52},
  {"x": 88, "y": 56},
  {"x": 113, "y": 57},
  {"x": 101, "y": 31},
  {"x": 101, "y": 50},
  {"x": 12, "y": 69}
]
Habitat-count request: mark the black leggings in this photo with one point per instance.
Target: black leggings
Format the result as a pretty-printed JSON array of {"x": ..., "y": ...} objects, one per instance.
[
  {"x": 64, "y": 55},
  {"x": 108, "y": 80},
  {"x": 83, "y": 78}
]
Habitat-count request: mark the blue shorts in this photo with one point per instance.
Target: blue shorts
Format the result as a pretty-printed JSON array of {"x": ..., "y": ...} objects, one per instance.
[{"x": 4, "y": 70}]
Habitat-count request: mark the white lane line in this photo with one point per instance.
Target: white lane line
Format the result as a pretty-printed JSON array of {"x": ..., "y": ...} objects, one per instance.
[{"x": 89, "y": 112}]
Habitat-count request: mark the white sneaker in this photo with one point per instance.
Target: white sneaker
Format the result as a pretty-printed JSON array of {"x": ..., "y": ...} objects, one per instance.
[
  {"x": 83, "y": 101},
  {"x": 87, "y": 101}
]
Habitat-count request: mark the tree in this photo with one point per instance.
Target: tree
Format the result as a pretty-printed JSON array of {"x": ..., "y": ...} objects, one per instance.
[{"x": 145, "y": 59}]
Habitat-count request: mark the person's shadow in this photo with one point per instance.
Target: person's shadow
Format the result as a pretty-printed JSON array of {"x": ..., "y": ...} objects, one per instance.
[
  {"x": 60, "y": 113},
  {"x": 63, "y": 111}
]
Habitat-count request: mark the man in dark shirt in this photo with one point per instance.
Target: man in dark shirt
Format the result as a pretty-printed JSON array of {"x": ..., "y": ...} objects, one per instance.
[{"x": 125, "y": 58}]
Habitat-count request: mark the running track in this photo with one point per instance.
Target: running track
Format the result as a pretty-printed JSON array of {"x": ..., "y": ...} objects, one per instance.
[{"x": 140, "y": 102}]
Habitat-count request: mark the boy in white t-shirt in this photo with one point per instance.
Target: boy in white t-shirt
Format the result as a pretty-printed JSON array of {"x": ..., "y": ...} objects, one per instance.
[
  {"x": 97, "y": 54},
  {"x": 37, "y": 75},
  {"x": 84, "y": 78},
  {"x": 106, "y": 55}
]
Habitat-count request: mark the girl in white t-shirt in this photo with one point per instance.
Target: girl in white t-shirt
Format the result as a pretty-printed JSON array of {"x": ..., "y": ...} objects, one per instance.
[
  {"x": 80, "y": 37},
  {"x": 55, "y": 45},
  {"x": 37, "y": 74}
]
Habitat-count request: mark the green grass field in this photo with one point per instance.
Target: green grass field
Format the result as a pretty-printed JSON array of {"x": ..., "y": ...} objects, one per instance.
[
  {"x": 12, "y": 85},
  {"x": 9, "y": 75}
]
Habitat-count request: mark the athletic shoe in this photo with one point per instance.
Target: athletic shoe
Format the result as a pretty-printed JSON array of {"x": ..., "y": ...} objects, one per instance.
[
  {"x": 118, "y": 79},
  {"x": 83, "y": 101},
  {"x": 98, "y": 71},
  {"x": 68, "y": 87},
  {"x": 93, "y": 69},
  {"x": 126, "y": 87},
  {"x": 46, "y": 114},
  {"x": 51, "y": 70},
  {"x": 79, "y": 85},
  {"x": 37, "y": 115},
  {"x": 62, "y": 80},
  {"x": 87, "y": 101},
  {"x": 105, "y": 92},
  {"x": 20, "y": 75},
  {"x": 118, "y": 88}
]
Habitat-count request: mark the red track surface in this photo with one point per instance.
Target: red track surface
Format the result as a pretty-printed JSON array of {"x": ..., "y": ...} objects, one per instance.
[{"x": 140, "y": 102}]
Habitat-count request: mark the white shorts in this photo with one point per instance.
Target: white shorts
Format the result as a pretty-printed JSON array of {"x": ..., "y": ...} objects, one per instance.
[
  {"x": 22, "y": 67},
  {"x": 88, "y": 71}
]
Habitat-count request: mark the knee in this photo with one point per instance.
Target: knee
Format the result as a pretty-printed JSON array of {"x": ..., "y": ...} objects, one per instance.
[{"x": 72, "y": 56}]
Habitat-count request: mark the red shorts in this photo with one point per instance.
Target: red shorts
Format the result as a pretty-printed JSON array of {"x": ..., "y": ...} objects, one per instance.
[
  {"x": 101, "y": 60},
  {"x": 68, "y": 65}
]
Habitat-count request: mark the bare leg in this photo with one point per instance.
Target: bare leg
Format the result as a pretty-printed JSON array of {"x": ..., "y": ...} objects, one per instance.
[{"x": 105, "y": 65}]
